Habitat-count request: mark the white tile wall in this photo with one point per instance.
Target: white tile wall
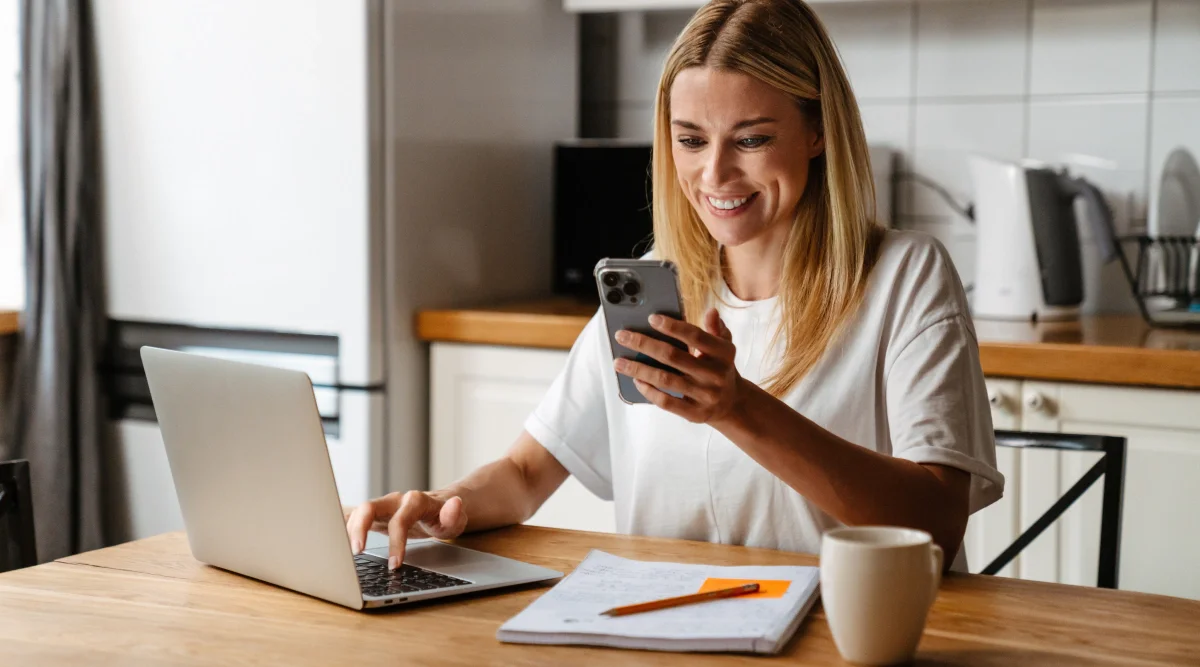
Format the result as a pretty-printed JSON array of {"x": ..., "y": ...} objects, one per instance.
[
  {"x": 1177, "y": 45},
  {"x": 940, "y": 79},
  {"x": 1091, "y": 46},
  {"x": 888, "y": 124},
  {"x": 972, "y": 48},
  {"x": 875, "y": 42},
  {"x": 946, "y": 134}
]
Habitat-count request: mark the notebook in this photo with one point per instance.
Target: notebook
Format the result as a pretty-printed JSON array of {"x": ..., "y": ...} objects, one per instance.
[{"x": 762, "y": 622}]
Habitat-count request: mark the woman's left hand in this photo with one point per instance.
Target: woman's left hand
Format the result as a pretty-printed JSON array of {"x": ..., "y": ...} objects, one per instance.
[{"x": 708, "y": 382}]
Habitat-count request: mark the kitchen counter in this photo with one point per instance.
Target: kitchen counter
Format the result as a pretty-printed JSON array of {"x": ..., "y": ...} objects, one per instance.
[
  {"x": 1118, "y": 350},
  {"x": 8, "y": 322}
]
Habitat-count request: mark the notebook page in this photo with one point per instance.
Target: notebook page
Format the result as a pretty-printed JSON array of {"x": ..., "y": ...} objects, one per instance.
[{"x": 603, "y": 581}]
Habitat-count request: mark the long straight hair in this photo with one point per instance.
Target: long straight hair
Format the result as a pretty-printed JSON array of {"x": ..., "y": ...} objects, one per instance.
[{"x": 834, "y": 239}]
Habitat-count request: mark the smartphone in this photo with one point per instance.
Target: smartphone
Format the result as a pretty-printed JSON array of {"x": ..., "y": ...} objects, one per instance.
[{"x": 631, "y": 290}]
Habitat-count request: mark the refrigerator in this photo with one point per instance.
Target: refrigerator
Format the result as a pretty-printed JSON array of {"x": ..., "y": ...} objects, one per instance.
[{"x": 287, "y": 182}]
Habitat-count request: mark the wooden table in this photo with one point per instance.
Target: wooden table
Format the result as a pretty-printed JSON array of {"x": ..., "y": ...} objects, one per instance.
[
  {"x": 150, "y": 602},
  {"x": 1108, "y": 349}
]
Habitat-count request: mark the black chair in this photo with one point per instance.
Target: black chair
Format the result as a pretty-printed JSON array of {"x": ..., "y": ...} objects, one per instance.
[
  {"x": 1111, "y": 466},
  {"x": 17, "y": 546}
]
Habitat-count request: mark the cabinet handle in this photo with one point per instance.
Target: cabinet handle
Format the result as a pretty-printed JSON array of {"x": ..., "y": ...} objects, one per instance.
[
  {"x": 995, "y": 398},
  {"x": 1035, "y": 401}
]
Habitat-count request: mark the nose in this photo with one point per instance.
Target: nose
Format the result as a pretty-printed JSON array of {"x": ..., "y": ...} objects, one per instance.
[{"x": 720, "y": 167}]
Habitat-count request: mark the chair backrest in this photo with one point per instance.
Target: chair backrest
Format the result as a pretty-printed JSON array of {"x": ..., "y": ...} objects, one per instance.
[
  {"x": 17, "y": 546},
  {"x": 1111, "y": 466}
]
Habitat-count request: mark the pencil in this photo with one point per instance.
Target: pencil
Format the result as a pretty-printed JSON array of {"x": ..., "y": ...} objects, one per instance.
[{"x": 681, "y": 600}]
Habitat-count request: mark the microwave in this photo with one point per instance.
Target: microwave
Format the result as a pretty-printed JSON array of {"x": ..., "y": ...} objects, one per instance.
[{"x": 601, "y": 208}]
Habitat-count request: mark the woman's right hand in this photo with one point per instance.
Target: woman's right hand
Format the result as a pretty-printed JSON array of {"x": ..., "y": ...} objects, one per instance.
[{"x": 404, "y": 515}]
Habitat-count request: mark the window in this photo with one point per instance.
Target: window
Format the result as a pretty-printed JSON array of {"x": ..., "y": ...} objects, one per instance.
[{"x": 12, "y": 260}]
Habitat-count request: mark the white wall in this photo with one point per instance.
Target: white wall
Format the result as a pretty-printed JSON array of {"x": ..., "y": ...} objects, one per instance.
[
  {"x": 12, "y": 276},
  {"x": 937, "y": 79}
]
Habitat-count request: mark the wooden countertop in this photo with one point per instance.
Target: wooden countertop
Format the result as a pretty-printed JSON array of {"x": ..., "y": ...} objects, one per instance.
[
  {"x": 8, "y": 321},
  {"x": 1118, "y": 350},
  {"x": 150, "y": 602}
]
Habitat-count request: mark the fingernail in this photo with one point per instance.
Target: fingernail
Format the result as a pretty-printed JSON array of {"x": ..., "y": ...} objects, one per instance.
[
  {"x": 620, "y": 364},
  {"x": 356, "y": 545},
  {"x": 393, "y": 562},
  {"x": 622, "y": 336},
  {"x": 656, "y": 320}
]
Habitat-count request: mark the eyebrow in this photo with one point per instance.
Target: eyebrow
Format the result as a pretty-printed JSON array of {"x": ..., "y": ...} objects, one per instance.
[{"x": 751, "y": 122}]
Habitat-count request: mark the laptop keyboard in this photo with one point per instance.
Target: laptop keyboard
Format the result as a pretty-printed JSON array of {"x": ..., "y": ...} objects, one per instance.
[{"x": 375, "y": 579}]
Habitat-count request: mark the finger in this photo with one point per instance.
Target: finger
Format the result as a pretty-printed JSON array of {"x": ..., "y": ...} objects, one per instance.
[
  {"x": 364, "y": 516},
  {"x": 693, "y": 335},
  {"x": 451, "y": 520},
  {"x": 714, "y": 325},
  {"x": 665, "y": 401},
  {"x": 712, "y": 322},
  {"x": 415, "y": 506},
  {"x": 661, "y": 379},
  {"x": 661, "y": 351},
  {"x": 665, "y": 353}
]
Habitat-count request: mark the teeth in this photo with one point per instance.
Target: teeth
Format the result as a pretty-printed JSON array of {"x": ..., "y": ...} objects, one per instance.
[{"x": 727, "y": 204}]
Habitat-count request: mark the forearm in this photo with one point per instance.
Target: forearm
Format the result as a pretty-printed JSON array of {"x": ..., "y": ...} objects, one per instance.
[
  {"x": 855, "y": 485},
  {"x": 510, "y": 489}
]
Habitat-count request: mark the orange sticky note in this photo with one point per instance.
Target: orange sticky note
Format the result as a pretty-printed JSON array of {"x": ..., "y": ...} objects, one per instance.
[{"x": 767, "y": 588}]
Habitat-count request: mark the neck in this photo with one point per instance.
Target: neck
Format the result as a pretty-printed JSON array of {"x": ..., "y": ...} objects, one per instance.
[{"x": 753, "y": 269}]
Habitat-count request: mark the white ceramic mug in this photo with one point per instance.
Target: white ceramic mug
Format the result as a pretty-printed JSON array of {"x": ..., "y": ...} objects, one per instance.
[{"x": 877, "y": 584}]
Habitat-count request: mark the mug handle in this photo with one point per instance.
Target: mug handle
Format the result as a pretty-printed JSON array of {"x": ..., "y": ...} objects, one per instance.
[{"x": 938, "y": 556}]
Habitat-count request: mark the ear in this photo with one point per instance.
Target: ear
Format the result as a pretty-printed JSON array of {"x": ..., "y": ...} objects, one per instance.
[{"x": 817, "y": 145}]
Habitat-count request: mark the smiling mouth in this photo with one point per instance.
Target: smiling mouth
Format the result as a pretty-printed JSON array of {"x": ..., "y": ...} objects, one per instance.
[{"x": 730, "y": 205}]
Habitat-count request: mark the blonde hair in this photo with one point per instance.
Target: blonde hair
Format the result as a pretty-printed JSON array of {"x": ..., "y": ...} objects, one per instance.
[{"x": 833, "y": 241}]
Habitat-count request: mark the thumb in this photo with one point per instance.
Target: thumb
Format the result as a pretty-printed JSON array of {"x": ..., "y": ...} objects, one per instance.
[{"x": 715, "y": 326}]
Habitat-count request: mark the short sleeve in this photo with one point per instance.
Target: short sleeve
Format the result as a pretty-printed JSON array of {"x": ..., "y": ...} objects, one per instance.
[
  {"x": 937, "y": 407},
  {"x": 571, "y": 421}
]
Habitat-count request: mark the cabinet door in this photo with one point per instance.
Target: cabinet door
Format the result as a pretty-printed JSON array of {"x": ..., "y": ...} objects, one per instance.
[
  {"x": 1160, "y": 527},
  {"x": 480, "y": 397},
  {"x": 993, "y": 528},
  {"x": 1041, "y": 482}
]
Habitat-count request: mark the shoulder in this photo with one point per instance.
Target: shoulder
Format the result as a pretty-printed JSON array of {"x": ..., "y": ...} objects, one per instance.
[{"x": 914, "y": 281}]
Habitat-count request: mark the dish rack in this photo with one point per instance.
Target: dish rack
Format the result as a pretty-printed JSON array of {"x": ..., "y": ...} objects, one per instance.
[{"x": 1165, "y": 278}]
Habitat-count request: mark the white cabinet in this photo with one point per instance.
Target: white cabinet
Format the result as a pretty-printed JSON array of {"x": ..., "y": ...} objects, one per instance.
[
  {"x": 1160, "y": 531},
  {"x": 480, "y": 397},
  {"x": 993, "y": 528}
]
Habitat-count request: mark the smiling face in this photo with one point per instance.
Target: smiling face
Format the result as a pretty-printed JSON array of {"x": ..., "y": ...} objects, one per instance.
[{"x": 741, "y": 150}]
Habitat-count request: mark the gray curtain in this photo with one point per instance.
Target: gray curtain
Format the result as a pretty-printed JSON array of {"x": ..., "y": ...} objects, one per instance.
[{"x": 56, "y": 418}]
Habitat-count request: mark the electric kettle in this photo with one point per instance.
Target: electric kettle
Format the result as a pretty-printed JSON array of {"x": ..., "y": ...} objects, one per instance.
[{"x": 1028, "y": 264}]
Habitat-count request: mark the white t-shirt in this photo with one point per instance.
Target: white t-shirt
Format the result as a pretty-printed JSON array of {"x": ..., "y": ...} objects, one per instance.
[{"x": 903, "y": 379}]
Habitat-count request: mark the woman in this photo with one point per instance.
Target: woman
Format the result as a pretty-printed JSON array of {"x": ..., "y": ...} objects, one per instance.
[{"x": 834, "y": 376}]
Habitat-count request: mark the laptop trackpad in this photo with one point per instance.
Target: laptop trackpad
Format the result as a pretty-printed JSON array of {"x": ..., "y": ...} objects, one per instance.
[{"x": 377, "y": 541}]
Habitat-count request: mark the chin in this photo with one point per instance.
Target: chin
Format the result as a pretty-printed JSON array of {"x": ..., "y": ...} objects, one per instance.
[{"x": 733, "y": 233}]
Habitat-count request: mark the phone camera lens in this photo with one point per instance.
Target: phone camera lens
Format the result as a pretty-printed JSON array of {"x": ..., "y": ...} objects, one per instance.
[
  {"x": 613, "y": 296},
  {"x": 610, "y": 279},
  {"x": 632, "y": 287}
]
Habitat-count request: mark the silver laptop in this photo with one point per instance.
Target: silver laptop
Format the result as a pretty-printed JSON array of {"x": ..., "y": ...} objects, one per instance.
[{"x": 251, "y": 468}]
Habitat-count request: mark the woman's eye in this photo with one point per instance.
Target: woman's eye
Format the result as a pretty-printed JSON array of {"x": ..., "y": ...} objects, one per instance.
[
  {"x": 753, "y": 142},
  {"x": 690, "y": 142}
]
